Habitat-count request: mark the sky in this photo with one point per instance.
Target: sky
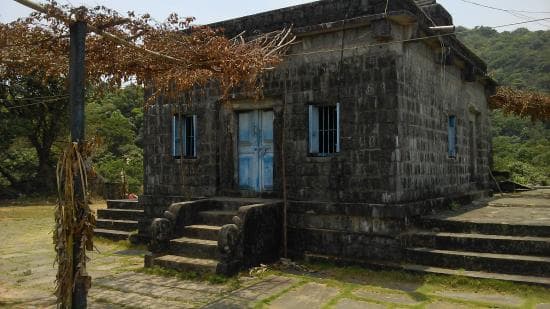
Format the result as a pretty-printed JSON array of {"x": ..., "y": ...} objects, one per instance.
[{"x": 207, "y": 11}]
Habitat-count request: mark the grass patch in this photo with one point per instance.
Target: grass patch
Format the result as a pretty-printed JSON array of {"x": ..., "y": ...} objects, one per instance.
[
  {"x": 422, "y": 287},
  {"x": 356, "y": 274},
  {"x": 232, "y": 282},
  {"x": 20, "y": 212},
  {"x": 112, "y": 245}
]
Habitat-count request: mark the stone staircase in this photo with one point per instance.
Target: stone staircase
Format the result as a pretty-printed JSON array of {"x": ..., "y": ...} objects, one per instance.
[
  {"x": 118, "y": 220},
  {"x": 514, "y": 252},
  {"x": 197, "y": 248}
]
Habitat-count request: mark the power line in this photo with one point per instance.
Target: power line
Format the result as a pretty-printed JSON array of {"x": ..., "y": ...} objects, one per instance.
[
  {"x": 501, "y": 9},
  {"x": 413, "y": 39},
  {"x": 515, "y": 13},
  {"x": 38, "y": 98},
  {"x": 31, "y": 104}
]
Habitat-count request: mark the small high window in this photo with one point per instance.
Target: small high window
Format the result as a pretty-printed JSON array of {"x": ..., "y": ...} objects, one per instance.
[
  {"x": 184, "y": 136},
  {"x": 324, "y": 129},
  {"x": 451, "y": 129}
]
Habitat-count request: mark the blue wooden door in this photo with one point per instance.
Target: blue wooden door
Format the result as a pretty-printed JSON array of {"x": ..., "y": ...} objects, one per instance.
[{"x": 256, "y": 150}]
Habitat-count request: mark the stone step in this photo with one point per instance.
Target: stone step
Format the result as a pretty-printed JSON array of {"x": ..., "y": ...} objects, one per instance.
[
  {"x": 195, "y": 248},
  {"x": 522, "y": 245},
  {"x": 545, "y": 281},
  {"x": 217, "y": 217},
  {"x": 208, "y": 232},
  {"x": 111, "y": 234},
  {"x": 120, "y": 225},
  {"x": 182, "y": 263},
  {"x": 120, "y": 214},
  {"x": 384, "y": 265},
  {"x": 477, "y": 261},
  {"x": 457, "y": 226},
  {"x": 123, "y": 204}
]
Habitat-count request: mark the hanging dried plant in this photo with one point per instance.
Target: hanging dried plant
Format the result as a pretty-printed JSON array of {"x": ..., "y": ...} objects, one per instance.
[
  {"x": 522, "y": 103},
  {"x": 74, "y": 220}
]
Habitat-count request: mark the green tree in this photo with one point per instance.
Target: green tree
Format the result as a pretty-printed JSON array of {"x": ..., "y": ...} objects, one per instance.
[
  {"x": 33, "y": 112},
  {"x": 116, "y": 118}
]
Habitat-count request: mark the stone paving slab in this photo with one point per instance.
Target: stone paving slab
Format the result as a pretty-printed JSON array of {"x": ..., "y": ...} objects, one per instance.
[
  {"x": 346, "y": 303},
  {"x": 134, "y": 300},
  {"x": 446, "y": 305},
  {"x": 248, "y": 296},
  {"x": 311, "y": 295},
  {"x": 499, "y": 299},
  {"x": 388, "y": 297}
]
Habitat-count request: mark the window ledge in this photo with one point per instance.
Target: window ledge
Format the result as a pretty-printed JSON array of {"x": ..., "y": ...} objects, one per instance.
[
  {"x": 313, "y": 158},
  {"x": 186, "y": 160}
]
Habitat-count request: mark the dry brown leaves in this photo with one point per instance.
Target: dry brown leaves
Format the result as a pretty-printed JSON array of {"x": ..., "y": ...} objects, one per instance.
[
  {"x": 74, "y": 220},
  {"x": 171, "y": 56},
  {"x": 522, "y": 103}
]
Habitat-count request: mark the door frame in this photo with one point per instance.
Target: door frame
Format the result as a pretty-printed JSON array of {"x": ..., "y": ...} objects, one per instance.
[{"x": 245, "y": 105}]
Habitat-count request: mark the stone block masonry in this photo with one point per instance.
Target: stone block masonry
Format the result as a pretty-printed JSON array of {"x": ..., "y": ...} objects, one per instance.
[{"x": 395, "y": 100}]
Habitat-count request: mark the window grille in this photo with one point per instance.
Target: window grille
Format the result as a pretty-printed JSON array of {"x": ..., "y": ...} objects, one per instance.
[
  {"x": 324, "y": 129},
  {"x": 184, "y": 130}
]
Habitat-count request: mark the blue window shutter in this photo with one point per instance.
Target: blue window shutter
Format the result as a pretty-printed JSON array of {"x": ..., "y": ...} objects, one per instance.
[
  {"x": 337, "y": 127},
  {"x": 174, "y": 137},
  {"x": 184, "y": 135},
  {"x": 313, "y": 129},
  {"x": 451, "y": 131},
  {"x": 194, "y": 154}
]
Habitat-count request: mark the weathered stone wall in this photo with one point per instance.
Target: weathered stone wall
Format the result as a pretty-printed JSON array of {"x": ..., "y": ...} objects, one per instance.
[
  {"x": 394, "y": 101},
  {"x": 430, "y": 91},
  {"x": 167, "y": 179},
  {"x": 364, "y": 82},
  {"x": 166, "y": 175}
]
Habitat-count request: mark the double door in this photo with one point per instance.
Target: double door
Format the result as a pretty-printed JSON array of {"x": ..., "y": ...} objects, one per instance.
[{"x": 255, "y": 150}]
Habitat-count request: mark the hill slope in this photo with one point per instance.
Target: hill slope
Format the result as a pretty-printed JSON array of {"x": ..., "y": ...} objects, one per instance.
[{"x": 520, "y": 59}]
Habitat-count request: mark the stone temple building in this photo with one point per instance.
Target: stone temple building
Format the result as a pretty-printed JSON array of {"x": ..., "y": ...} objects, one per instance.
[{"x": 374, "y": 118}]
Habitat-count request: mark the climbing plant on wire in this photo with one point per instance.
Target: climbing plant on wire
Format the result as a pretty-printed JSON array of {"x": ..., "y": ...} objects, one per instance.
[
  {"x": 170, "y": 58},
  {"x": 524, "y": 103}
]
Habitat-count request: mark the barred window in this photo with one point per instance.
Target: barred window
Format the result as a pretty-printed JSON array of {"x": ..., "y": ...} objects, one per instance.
[
  {"x": 184, "y": 136},
  {"x": 324, "y": 129}
]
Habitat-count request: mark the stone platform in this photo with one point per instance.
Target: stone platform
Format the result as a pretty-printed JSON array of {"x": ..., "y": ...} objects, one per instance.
[
  {"x": 506, "y": 237},
  {"x": 525, "y": 208}
]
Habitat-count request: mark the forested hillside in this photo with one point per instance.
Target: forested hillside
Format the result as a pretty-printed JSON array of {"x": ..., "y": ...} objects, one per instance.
[{"x": 520, "y": 59}]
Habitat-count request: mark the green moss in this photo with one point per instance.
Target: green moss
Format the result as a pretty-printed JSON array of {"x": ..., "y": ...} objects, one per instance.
[{"x": 231, "y": 282}]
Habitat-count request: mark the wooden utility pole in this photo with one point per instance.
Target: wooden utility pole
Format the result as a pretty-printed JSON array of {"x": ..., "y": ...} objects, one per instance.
[{"x": 76, "y": 97}]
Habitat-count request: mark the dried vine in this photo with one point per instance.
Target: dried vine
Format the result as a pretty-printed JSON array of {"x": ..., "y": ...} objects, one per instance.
[
  {"x": 172, "y": 56},
  {"x": 522, "y": 103},
  {"x": 74, "y": 220}
]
